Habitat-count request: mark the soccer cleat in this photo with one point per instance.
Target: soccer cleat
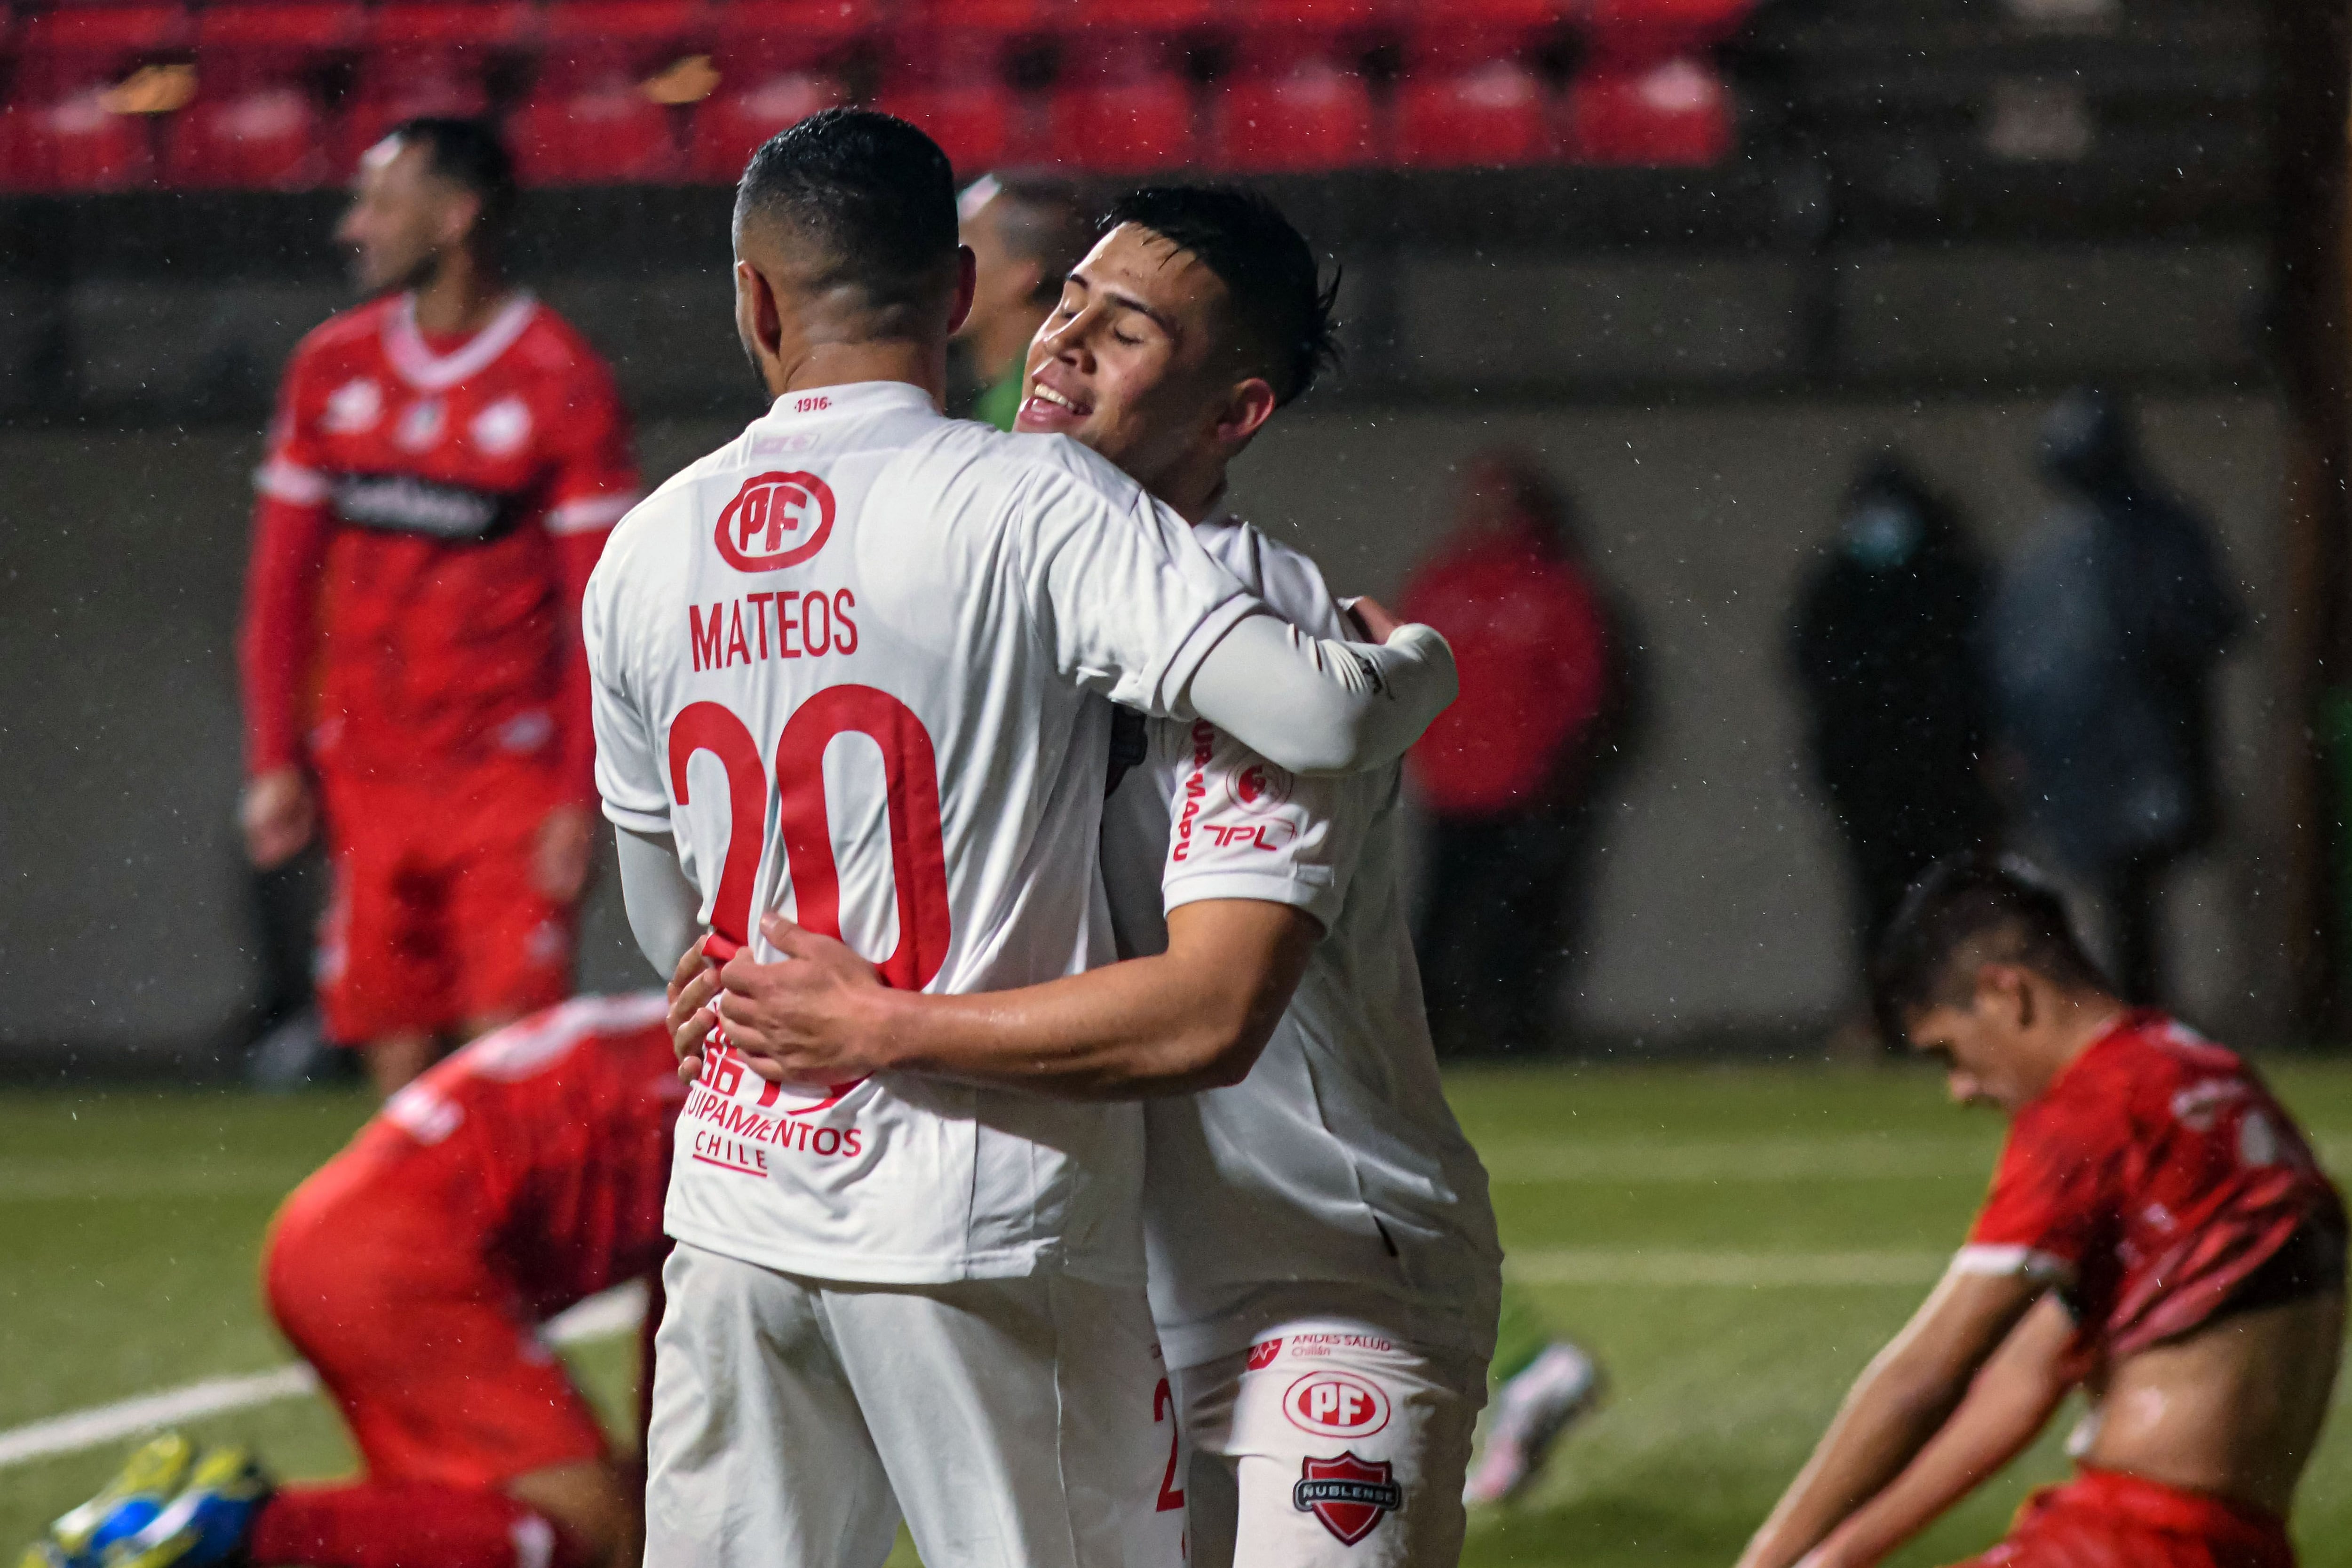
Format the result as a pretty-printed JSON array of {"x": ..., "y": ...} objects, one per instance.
[
  {"x": 1530, "y": 1411},
  {"x": 205, "y": 1525},
  {"x": 148, "y": 1480}
]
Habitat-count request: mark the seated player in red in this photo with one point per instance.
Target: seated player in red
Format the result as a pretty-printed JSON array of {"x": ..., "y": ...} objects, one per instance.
[
  {"x": 2158, "y": 1232},
  {"x": 522, "y": 1175}
]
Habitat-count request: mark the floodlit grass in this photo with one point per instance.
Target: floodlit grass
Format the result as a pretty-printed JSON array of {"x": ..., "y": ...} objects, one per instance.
[{"x": 131, "y": 1225}]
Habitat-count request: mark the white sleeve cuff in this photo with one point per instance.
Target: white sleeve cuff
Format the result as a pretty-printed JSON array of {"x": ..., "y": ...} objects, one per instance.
[
  {"x": 1308, "y": 888},
  {"x": 2046, "y": 1267},
  {"x": 589, "y": 512},
  {"x": 281, "y": 480},
  {"x": 636, "y": 821}
]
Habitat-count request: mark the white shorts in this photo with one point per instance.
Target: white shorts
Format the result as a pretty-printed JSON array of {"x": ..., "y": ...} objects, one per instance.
[
  {"x": 1017, "y": 1423},
  {"x": 1328, "y": 1444}
]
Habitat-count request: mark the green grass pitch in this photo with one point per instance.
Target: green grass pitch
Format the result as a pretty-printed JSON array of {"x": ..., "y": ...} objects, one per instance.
[{"x": 1733, "y": 1242}]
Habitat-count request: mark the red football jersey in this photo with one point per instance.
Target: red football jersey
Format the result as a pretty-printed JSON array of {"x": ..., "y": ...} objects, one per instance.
[
  {"x": 2147, "y": 1181},
  {"x": 436, "y": 508},
  {"x": 547, "y": 1143},
  {"x": 1532, "y": 643}
]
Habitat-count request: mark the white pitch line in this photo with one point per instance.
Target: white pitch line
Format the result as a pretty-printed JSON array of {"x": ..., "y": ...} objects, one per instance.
[
  {"x": 1735, "y": 1270},
  {"x": 599, "y": 1317}
]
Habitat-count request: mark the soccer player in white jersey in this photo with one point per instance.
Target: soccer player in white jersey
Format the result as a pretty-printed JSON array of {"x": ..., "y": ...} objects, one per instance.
[
  {"x": 852, "y": 664},
  {"x": 1324, "y": 1261}
]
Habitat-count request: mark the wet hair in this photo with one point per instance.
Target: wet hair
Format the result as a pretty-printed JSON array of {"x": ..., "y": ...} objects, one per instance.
[
  {"x": 468, "y": 154},
  {"x": 1964, "y": 911},
  {"x": 1282, "y": 309},
  {"x": 871, "y": 201},
  {"x": 1039, "y": 220}
]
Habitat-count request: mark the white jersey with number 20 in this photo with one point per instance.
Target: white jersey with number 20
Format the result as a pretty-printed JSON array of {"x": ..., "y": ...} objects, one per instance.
[{"x": 852, "y": 662}]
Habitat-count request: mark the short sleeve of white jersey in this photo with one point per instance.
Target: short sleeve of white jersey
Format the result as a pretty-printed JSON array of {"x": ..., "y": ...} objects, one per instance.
[
  {"x": 628, "y": 767},
  {"x": 1242, "y": 827},
  {"x": 1128, "y": 600}
]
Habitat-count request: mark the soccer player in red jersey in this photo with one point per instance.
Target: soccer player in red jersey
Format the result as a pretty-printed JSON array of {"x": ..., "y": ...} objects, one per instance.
[
  {"x": 2158, "y": 1232},
  {"x": 446, "y": 463},
  {"x": 522, "y": 1175}
]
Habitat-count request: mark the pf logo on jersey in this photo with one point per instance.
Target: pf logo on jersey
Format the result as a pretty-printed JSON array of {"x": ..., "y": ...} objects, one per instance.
[
  {"x": 1350, "y": 1496},
  {"x": 1336, "y": 1404},
  {"x": 1261, "y": 787},
  {"x": 777, "y": 519}
]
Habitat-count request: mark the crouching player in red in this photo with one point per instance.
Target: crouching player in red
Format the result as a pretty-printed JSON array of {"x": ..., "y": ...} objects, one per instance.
[
  {"x": 2156, "y": 1232},
  {"x": 522, "y": 1175}
]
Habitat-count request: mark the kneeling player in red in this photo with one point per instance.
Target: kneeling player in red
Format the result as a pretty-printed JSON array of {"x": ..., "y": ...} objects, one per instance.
[
  {"x": 2158, "y": 1232},
  {"x": 522, "y": 1175}
]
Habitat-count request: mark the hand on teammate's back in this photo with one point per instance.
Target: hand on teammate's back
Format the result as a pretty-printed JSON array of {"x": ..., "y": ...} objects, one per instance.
[
  {"x": 1375, "y": 618},
  {"x": 806, "y": 1018},
  {"x": 278, "y": 813},
  {"x": 565, "y": 852}
]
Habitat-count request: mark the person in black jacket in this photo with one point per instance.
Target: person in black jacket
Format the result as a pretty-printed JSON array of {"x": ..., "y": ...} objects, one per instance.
[
  {"x": 1885, "y": 655},
  {"x": 2105, "y": 634}
]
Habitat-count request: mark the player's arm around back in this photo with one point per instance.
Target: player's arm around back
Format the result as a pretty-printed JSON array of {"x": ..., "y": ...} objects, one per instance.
[
  {"x": 1193, "y": 1018},
  {"x": 1135, "y": 608}
]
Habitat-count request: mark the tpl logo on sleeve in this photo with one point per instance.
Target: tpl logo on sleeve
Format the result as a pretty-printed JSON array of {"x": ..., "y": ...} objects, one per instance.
[
  {"x": 1336, "y": 1404},
  {"x": 777, "y": 519}
]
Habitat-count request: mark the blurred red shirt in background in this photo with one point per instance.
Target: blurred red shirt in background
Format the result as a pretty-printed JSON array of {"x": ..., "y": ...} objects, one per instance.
[{"x": 1531, "y": 642}]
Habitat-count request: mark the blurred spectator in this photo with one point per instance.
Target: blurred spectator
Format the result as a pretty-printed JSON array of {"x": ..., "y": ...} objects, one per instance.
[
  {"x": 1505, "y": 773},
  {"x": 1886, "y": 656},
  {"x": 1025, "y": 234},
  {"x": 2106, "y": 629}
]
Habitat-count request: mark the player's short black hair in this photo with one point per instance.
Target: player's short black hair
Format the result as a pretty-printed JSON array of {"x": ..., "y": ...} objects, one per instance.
[
  {"x": 1281, "y": 306},
  {"x": 1966, "y": 910},
  {"x": 469, "y": 154},
  {"x": 871, "y": 198}
]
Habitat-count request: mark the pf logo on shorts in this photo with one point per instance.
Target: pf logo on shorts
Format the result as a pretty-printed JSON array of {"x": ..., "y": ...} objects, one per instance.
[
  {"x": 1350, "y": 1496},
  {"x": 777, "y": 519},
  {"x": 1336, "y": 1404}
]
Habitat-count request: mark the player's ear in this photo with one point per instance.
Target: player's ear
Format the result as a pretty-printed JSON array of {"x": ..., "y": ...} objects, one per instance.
[
  {"x": 461, "y": 219},
  {"x": 967, "y": 287},
  {"x": 1247, "y": 407},
  {"x": 758, "y": 315}
]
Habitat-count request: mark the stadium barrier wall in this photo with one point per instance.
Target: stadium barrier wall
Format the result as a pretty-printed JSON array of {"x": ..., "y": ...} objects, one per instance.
[{"x": 125, "y": 941}]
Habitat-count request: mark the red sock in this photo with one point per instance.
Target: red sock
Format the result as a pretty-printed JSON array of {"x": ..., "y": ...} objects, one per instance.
[{"x": 406, "y": 1524}]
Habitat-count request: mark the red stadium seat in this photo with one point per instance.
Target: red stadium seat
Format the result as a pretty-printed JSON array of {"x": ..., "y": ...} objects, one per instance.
[
  {"x": 729, "y": 125},
  {"x": 1653, "y": 28},
  {"x": 1137, "y": 126},
  {"x": 601, "y": 110},
  {"x": 1312, "y": 116},
  {"x": 975, "y": 123},
  {"x": 258, "y": 120},
  {"x": 89, "y": 81},
  {"x": 1487, "y": 115},
  {"x": 1163, "y": 17},
  {"x": 1657, "y": 112},
  {"x": 423, "y": 57}
]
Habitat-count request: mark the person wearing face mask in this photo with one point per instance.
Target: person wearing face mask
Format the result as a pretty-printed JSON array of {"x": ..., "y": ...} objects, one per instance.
[{"x": 1883, "y": 651}]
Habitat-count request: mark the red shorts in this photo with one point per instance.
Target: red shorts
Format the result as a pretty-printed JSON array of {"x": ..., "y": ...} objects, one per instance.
[
  {"x": 435, "y": 921},
  {"x": 2104, "y": 1520},
  {"x": 381, "y": 1283}
]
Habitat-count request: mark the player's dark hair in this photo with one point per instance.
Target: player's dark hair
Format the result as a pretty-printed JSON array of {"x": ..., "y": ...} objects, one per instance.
[
  {"x": 1281, "y": 305},
  {"x": 1964, "y": 911},
  {"x": 871, "y": 202},
  {"x": 468, "y": 153},
  {"x": 1045, "y": 220}
]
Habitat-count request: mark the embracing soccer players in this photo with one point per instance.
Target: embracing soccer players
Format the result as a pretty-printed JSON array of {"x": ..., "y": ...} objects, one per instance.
[
  {"x": 2158, "y": 1233},
  {"x": 853, "y": 663},
  {"x": 1324, "y": 1261}
]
